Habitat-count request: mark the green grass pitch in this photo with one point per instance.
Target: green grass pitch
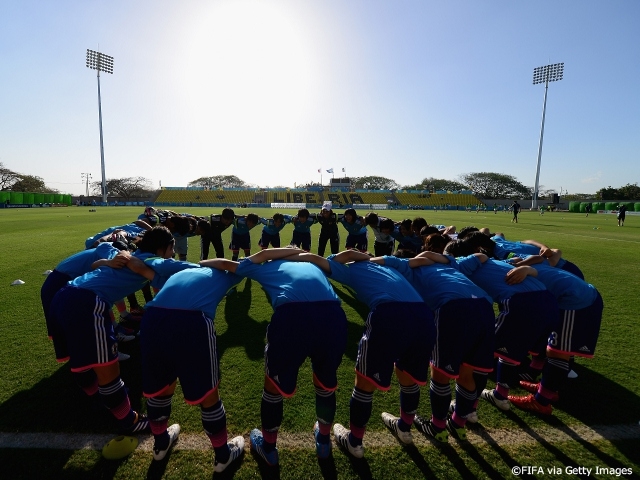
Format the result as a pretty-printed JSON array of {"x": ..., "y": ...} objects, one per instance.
[{"x": 37, "y": 395}]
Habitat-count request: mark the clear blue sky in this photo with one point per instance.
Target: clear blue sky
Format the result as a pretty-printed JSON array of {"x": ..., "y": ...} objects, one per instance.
[{"x": 273, "y": 90}]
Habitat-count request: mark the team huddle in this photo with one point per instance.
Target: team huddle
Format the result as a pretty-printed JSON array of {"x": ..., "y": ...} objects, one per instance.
[{"x": 430, "y": 293}]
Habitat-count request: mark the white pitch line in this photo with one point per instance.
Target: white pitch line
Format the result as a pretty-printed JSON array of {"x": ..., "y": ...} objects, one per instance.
[{"x": 78, "y": 441}]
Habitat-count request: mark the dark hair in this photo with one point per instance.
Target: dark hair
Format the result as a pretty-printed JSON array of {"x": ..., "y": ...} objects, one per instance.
[
  {"x": 228, "y": 214},
  {"x": 352, "y": 212},
  {"x": 278, "y": 216},
  {"x": 466, "y": 231},
  {"x": 418, "y": 224},
  {"x": 479, "y": 240},
  {"x": 428, "y": 230},
  {"x": 180, "y": 224},
  {"x": 252, "y": 217},
  {"x": 406, "y": 223},
  {"x": 459, "y": 248},
  {"x": 303, "y": 212},
  {"x": 371, "y": 218},
  {"x": 387, "y": 224},
  {"x": 155, "y": 239},
  {"x": 204, "y": 226},
  {"x": 436, "y": 243}
]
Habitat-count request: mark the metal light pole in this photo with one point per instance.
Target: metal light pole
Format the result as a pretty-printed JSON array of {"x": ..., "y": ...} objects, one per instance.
[
  {"x": 101, "y": 63},
  {"x": 546, "y": 74},
  {"x": 86, "y": 176}
]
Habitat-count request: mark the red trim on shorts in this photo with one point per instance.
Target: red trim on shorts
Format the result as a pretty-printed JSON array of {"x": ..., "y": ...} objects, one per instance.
[
  {"x": 62, "y": 360},
  {"x": 568, "y": 352},
  {"x": 322, "y": 385},
  {"x": 444, "y": 372},
  {"x": 371, "y": 380},
  {"x": 94, "y": 365},
  {"x": 488, "y": 370},
  {"x": 200, "y": 400},
  {"x": 158, "y": 393},
  {"x": 284, "y": 394},
  {"x": 504, "y": 357}
]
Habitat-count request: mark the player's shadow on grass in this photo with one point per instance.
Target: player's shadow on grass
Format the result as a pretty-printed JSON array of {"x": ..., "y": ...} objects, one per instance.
[
  {"x": 354, "y": 330},
  {"x": 242, "y": 329}
]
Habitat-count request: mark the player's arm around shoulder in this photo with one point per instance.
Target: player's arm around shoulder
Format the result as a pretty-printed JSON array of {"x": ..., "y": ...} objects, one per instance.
[
  {"x": 320, "y": 262},
  {"x": 220, "y": 264},
  {"x": 273, "y": 254},
  {"x": 518, "y": 274},
  {"x": 433, "y": 257},
  {"x": 351, "y": 256}
]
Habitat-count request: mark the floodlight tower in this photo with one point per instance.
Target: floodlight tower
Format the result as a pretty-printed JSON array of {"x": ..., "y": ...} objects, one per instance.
[
  {"x": 101, "y": 63},
  {"x": 546, "y": 74},
  {"x": 86, "y": 176}
]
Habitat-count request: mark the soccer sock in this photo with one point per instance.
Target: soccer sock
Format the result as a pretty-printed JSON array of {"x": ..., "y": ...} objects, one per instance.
[
  {"x": 214, "y": 422},
  {"x": 158, "y": 411},
  {"x": 409, "y": 400},
  {"x": 87, "y": 381},
  {"x": 481, "y": 383},
  {"x": 234, "y": 255},
  {"x": 359, "y": 412},
  {"x": 271, "y": 416},
  {"x": 554, "y": 376},
  {"x": 506, "y": 377},
  {"x": 325, "y": 412},
  {"x": 440, "y": 395},
  {"x": 464, "y": 404},
  {"x": 115, "y": 398},
  {"x": 247, "y": 253}
]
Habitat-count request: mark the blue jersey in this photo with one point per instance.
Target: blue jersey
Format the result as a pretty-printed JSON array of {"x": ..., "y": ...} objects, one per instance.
[
  {"x": 287, "y": 282},
  {"x": 303, "y": 227},
  {"x": 503, "y": 248},
  {"x": 373, "y": 283},
  {"x": 240, "y": 226},
  {"x": 570, "y": 292},
  {"x": 358, "y": 227},
  {"x": 131, "y": 229},
  {"x": 165, "y": 268},
  {"x": 199, "y": 289},
  {"x": 113, "y": 284},
  {"x": 437, "y": 284},
  {"x": 490, "y": 276},
  {"x": 81, "y": 262},
  {"x": 270, "y": 227}
]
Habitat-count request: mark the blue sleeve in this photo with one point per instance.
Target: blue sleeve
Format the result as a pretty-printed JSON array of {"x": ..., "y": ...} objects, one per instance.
[
  {"x": 467, "y": 265},
  {"x": 339, "y": 272},
  {"x": 400, "y": 264}
]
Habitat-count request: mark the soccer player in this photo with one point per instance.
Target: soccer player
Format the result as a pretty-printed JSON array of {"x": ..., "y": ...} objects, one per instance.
[
  {"x": 399, "y": 331},
  {"x": 464, "y": 339},
  {"x": 384, "y": 242},
  {"x": 409, "y": 244},
  {"x": 575, "y": 334},
  {"x": 328, "y": 221},
  {"x": 271, "y": 230},
  {"x": 516, "y": 210},
  {"x": 622, "y": 213},
  {"x": 356, "y": 228},
  {"x": 302, "y": 229},
  {"x": 307, "y": 321},
  {"x": 213, "y": 233},
  {"x": 130, "y": 230},
  {"x": 528, "y": 313},
  {"x": 178, "y": 340},
  {"x": 81, "y": 327},
  {"x": 240, "y": 237}
]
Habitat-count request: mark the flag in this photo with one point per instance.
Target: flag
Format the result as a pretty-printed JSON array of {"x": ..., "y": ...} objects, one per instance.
[
  {"x": 330, "y": 170},
  {"x": 343, "y": 169},
  {"x": 319, "y": 170}
]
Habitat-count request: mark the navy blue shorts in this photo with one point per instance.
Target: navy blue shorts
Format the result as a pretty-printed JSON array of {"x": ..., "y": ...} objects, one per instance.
[
  {"x": 400, "y": 333},
  {"x": 301, "y": 240},
  {"x": 178, "y": 344},
  {"x": 82, "y": 330},
  {"x": 54, "y": 282},
  {"x": 464, "y": 335},
  {"x": 267, "y": 239},
  {"x": 357, "y": 241},
  {"x": 578, "y": 330},
  {"x": 240, "y": 241},
  {"x": 524, "y": 320},
  {"x": 298, "y": 330}
]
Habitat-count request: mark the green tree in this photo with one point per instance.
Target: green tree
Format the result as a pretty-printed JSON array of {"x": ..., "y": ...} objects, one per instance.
[
  {"x": 30, "y": 183},
  {"x": 495, "y": 185},
  {"x": 374, "y": 183},
  {"x": 126, "y": 188},
  {"x": 218, "y": 181},
  {"x": 433, "y": 184}
]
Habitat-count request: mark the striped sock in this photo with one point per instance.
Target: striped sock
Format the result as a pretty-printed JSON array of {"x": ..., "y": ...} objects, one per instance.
[
  {"x": 325, "y": 412},
  {"x": 440, "y": 395},
  {"x": 271, "y": 411},
  {"x": 158, "y": 411},
  {"x": 115, "y": 398},
  {"x": 214, "y": 422},
  {"x": 409, "y": 401},
  {"x": 359, "y": 412}
]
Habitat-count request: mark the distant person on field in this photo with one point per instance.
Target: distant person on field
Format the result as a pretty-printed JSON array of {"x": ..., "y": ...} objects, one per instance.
[
  {"x": 622, "y": 212},
  {"x": 516, "y": 210},
  {"x": 328, "y": 221}
]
